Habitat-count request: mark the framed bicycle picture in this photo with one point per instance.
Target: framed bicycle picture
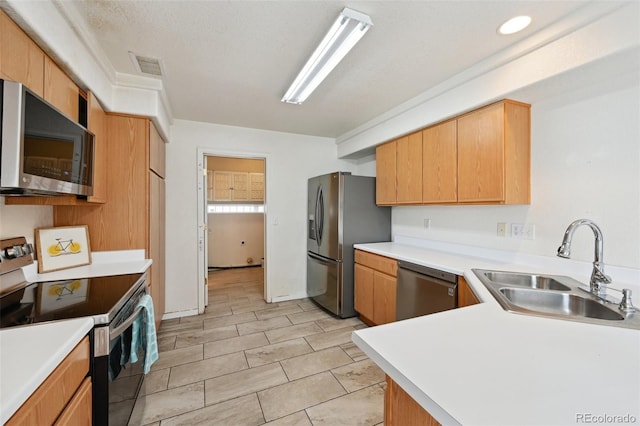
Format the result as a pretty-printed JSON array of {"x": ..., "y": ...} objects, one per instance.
[{"x": 62, "y": 247}]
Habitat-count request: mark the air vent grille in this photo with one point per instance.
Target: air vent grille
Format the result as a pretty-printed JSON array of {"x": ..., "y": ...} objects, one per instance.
[{"x": 147, "y": 65}]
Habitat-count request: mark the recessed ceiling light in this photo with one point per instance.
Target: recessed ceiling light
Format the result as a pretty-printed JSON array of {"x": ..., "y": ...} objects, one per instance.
[{"x": 514, "y": 25}]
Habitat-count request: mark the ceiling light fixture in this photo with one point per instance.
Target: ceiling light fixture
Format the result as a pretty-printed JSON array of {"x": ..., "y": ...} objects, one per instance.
[
  {"x": 514, "y": 25},
  {"x": 346, "y": 31}
]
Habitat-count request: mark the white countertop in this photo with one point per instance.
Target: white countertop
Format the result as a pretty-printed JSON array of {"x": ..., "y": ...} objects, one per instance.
[
  {"x": 28, "y": 354},
  {"x": 481, "y": 365}
]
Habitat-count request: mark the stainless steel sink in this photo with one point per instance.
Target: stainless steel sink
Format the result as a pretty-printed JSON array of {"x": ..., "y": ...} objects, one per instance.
[
  {"x": 526, "y": 280},
  {"x": 553, "y": 296},
  {"x": 557, "y": 303}
]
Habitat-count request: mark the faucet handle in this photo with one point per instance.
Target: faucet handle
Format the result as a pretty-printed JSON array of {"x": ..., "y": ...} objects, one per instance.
[{"x": 626, "y": 305}]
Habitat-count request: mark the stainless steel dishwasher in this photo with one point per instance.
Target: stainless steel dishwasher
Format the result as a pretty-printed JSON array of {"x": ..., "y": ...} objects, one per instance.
[{"x": 423, "y": 290}]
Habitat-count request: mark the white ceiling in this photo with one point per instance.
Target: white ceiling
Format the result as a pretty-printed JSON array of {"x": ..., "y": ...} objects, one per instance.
[{"x": 230, "y": 62}]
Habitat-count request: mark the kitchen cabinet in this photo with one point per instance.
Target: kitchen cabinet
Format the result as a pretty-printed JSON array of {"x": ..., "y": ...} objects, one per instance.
[
  {"x": 235, "y": 186},
  {"x": 466, "y": 296},
  {"x": 21, "y": 59},
  {"x": 401, "y": 170},
  {"x": 482, "y": 157},
  {"x": 402, "y": 410},
  {"x": 439, "y": 163},
  {"x": 494, "y": 154},
  {"x": 59, "y": 90},
  {"x": 64, "y": 397},
  {"x": 256, "y": 187},
  {"x": 134, "y": 215},
  {"x": 375, "y": 286},
  {"x": 386, "y": 174}
]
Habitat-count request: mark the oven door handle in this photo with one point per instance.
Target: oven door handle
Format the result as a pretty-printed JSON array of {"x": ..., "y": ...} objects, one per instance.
[{"x": 115, "y": 332}]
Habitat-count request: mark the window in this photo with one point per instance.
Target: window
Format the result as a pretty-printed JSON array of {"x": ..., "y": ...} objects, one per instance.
[{"x": 235, "y": 208}]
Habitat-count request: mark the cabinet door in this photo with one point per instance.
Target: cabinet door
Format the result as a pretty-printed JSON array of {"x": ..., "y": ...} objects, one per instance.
[
  {"x": 256, "y": 186},
  {"x": 409, "y": 169},
  {"x": 21, "y": 59},
  {"x": 466, "y": 296},
  {"x": 157, "y": 243},
  {"x": 222, "y": 186},
  {"x": 386, "y": 174},
  {"x": 363, "y": 291},
  {"x": 210, "y": 186},
  {"x": 97, "y": 124},
  {"x": 157, "y": 155},
  {"x": 121, "y": 223},
  {"x": 60, "y": 90},
  {"x": 384, "y": 298},
  {"x": 240, "y": 186},
  {"x": 481, "y": 155},
  {"x": 79, "y": 411},
  {"x": 402, "y": 410},
  {"x": 439, "y": 163}
]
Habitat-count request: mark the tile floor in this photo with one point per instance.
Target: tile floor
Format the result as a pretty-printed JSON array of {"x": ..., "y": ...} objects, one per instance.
[{"x": 246, "y": 362}]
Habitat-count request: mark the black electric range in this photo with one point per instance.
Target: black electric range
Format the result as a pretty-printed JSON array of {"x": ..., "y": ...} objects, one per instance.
[
  {"x": 111, "y": 301},
  {"x": 99, "y": 297}
]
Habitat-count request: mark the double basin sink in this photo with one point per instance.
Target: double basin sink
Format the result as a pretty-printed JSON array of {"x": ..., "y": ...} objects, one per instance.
[{"x": 553, "y": 296}]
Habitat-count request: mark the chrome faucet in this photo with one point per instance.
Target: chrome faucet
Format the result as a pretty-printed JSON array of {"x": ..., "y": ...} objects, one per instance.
[{"x": 598, "y": 277}]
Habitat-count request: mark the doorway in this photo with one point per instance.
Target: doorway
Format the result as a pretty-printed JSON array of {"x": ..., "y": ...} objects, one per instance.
[{"x": 233, "y": 234}]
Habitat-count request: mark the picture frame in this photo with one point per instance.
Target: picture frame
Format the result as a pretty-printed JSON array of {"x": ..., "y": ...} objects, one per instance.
[{"x": 62, "y": 247}]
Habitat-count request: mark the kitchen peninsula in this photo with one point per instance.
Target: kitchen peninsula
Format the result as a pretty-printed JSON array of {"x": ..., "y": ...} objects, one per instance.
[{"x": 481, "y": 365}]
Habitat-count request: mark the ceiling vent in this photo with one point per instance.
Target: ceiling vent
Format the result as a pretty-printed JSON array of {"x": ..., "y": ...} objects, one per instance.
[{"x": 147, "y": 65}]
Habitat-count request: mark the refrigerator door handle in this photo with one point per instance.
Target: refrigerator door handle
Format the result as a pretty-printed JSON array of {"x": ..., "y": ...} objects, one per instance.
[
  {"x": 319, "y": 216},
  {"x": 321, "y": 259}
]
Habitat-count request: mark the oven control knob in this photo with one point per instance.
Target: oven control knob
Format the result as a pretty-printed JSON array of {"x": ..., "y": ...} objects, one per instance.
[{"x": 13, "y": 252}]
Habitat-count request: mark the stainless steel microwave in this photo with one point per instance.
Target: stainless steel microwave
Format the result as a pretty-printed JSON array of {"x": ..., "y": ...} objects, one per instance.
[{"x": 42, "y": 150}]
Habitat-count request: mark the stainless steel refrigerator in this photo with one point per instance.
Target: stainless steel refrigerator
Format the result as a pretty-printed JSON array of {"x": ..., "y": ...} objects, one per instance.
[{"x": 342, "y": 211}]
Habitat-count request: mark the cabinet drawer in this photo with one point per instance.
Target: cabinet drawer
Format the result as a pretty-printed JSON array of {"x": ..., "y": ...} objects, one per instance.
[
  {"x": 79, "y": 410},
  {"x": 379, "y": 263},
  {"x": 45, "y": 405}
]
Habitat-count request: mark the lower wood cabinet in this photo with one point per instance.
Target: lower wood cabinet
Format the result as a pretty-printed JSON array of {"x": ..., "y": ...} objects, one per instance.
[
  {"x": 466, "y": 296},
  {"x": 64, "y": 398},
  {"x": 402, "y": 410},
  {"x": 375, "y": 289}
]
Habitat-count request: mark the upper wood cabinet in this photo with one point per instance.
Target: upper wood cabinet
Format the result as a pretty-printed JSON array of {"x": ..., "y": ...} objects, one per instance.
[
  {"x": 59, "y": 90},
  {"x": 21, "y": 59},
  {"x": 399, "y": 171},
  {"x": 494, "y": 154},
  {"x": 157, "y": 152},
  {"x": 482, "y": 157},
  {"x": 409, "y": 169},
  {"x": 439, "y": 163},
  {"x": 97, "y": 124},
  {"x": 134, "y": 215},
  {"x": 235, "y": 186},
  {"x": 386, "y": 173}
]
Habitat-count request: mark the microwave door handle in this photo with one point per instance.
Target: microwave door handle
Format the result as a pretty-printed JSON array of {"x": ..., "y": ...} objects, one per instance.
[{"x": 115, "y": 332}]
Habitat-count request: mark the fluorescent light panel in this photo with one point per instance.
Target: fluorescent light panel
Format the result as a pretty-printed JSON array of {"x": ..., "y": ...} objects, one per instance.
[{"x": 346, "y": 31}]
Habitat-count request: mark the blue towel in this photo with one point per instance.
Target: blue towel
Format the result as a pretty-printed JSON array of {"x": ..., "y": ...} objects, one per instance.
[{"x": 143, "y": 335}]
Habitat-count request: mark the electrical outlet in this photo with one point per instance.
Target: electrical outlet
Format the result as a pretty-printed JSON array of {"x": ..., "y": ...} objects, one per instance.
[
  {"x": 427, "y": 223},
  {"x": 502, "y": 229},
  {"x": 523, "y": 231}
]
